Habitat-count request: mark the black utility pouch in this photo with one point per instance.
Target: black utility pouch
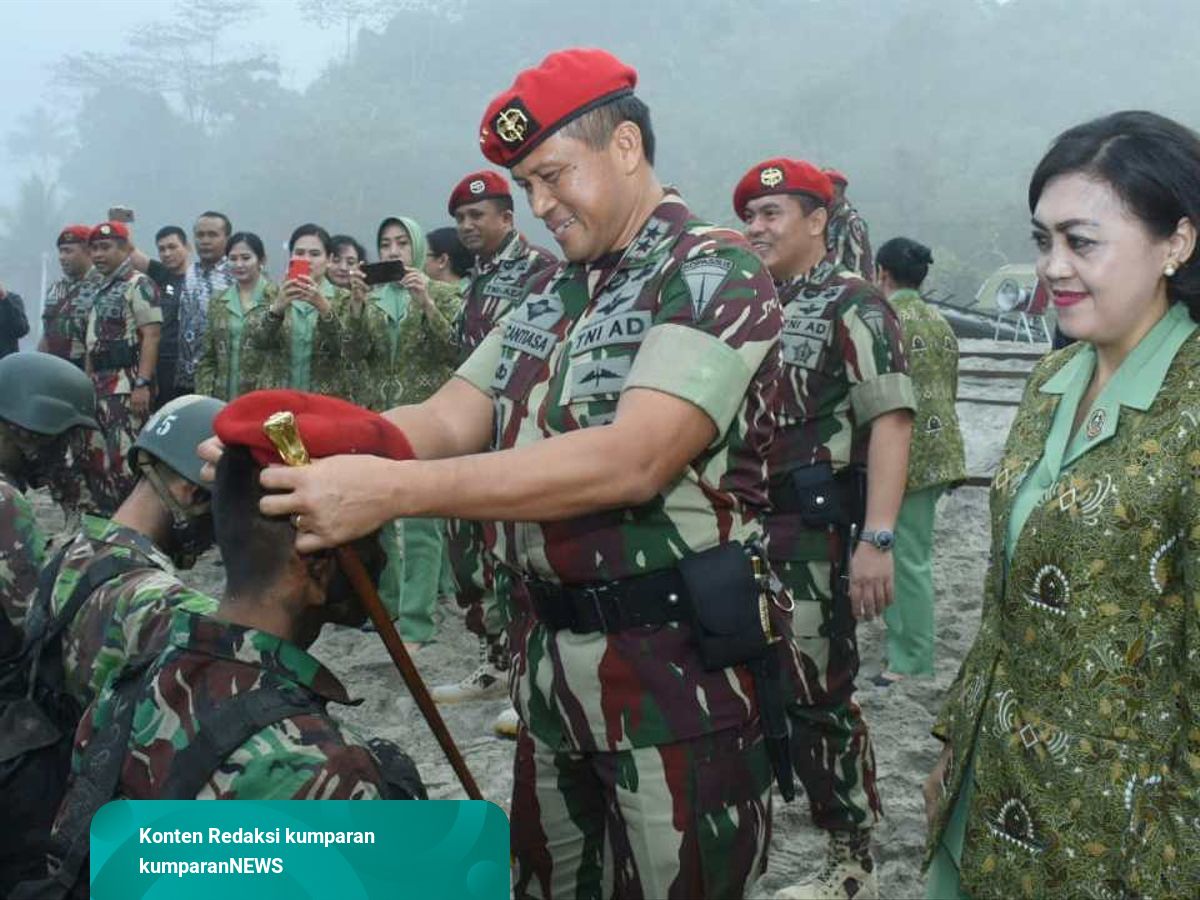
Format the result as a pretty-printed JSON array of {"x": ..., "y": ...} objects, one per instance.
[
  {"x": 814, "y": 492},
  {"x": 723, "y": 600}
]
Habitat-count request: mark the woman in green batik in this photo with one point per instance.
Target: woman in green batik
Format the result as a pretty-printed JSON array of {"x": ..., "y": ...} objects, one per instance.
[
  {"x": 219, "y": 372},
  {"x": 407, "y": 330},
  {"x": 935, "y": 457},
  {"x": 1071, "y": 762},
  {"x": 296, "y": 341}
]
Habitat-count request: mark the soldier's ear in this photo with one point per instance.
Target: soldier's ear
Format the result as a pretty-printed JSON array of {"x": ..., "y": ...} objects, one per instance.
[
  {"x": 627, "y": 141},
  {"x": 819, "y": 220},
  {"x": 320, "y": 567}
]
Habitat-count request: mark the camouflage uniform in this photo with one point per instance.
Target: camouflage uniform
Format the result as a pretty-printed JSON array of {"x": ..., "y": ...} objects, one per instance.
[
  {"x": 22, "y": 552},
  {"x": 207, "y": 661},
  {"x": 64, "y": 330},
  {"x": 124, "y": 302},
  {"x": 269, "y": 344},
  {"x": 494, "y": 286},
  {"x": 126, "y": 616},
  {"x": 623, "y": 728},
  {"x": 220, "y": 372},
  {"x": 846, "y": 236},
  {"x": 843, "y": 366}
]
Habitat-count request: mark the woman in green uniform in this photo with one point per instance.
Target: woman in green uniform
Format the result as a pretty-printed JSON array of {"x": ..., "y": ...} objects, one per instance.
[
  {"x": 935, "y": 456},
  {"x": 295, "y": 341},
  {"x": 1071, "y": 759},
  {"x": 406, "y": 330},
  {"x": 219, "y": 372}
]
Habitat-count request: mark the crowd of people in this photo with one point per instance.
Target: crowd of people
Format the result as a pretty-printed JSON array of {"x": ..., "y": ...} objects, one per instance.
[{"x": 665, "y": 476}]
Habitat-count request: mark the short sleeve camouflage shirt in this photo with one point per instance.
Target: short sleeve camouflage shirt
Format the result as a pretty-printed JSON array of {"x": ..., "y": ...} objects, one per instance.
[{"x": 495, "y": 286}]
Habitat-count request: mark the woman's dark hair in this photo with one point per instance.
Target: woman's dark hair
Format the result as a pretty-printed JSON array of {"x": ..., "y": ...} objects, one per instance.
[
  {"x": 1153, "y": 165},
  {"x": 338, "y": 241},
  {"x": 309, "y": 229},
  {"x": 905, "y": 260},
  {"x": 445, "y": 241},
  {"x": 251, "y": 240}
]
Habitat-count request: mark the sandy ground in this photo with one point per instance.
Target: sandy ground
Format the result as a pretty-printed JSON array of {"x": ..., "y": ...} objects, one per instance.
[{"x": 899, "y": 717}]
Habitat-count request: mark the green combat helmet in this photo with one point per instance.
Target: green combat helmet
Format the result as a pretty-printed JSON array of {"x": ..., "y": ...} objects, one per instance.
[
  {"x": 166, "y": 445},
  {"x": 45, "y": 394}
]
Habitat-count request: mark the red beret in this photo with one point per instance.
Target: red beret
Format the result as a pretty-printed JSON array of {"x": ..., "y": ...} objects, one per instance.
[
  {"x": 782, "y": 176},
  {"x": 483, "y": 185},
  {"x": 328, "y": 426},
  {"x": 563, "y": 87},
  {"x": 835, "y": 175},
  {"x": 74, "y": 234},
  {"x": 108, "y": 230}
]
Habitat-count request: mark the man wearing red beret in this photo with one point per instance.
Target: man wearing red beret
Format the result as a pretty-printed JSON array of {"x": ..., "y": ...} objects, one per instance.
[
  {"x": 628, "y": 403},
  {"x": 482, "y": 207},
  {"x": 838, "y": 468},
  {"x": 847, "y": 235},
  {"x": 123, "y": 330}
]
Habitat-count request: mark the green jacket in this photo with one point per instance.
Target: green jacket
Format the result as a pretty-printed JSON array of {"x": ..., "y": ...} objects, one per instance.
[
  {"x": 936, "y": 456},
  {"x": 1076, "y": 700},
  {"x": 269, "y": 348},
  {"x": 220, "y": 371}
]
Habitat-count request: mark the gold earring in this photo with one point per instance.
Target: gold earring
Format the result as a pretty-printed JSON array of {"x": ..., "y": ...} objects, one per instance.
[{"x": 1169, "y": 270}]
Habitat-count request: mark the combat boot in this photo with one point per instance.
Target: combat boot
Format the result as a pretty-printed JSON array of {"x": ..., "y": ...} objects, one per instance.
[
  {"x": 848, "y": 872},
  {"x": 487, "y": 682}
]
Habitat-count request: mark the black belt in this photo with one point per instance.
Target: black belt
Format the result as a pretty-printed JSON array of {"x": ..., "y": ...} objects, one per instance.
[
  {"x": 611, "y": 606},
  {"x": 113, "y": 356}
]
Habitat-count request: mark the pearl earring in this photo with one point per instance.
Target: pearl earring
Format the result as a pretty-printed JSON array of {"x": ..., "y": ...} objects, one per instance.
[{"x": 1169, "y": 270}]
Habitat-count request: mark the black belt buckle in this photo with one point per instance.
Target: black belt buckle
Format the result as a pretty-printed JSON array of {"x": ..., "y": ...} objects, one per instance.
[{"x": 595, "y": 594}]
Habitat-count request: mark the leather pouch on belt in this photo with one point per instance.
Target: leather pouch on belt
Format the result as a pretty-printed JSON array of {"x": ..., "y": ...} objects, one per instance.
[
  {"x": 723, "y": 594},
  {"x": 816, "y": 496}
]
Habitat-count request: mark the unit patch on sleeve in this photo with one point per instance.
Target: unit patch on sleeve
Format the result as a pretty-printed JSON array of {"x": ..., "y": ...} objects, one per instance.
[
  {"x": 704, "y": 277},
  {"x": 620, "y": 328},
  {"x": 596, "y": 377}
]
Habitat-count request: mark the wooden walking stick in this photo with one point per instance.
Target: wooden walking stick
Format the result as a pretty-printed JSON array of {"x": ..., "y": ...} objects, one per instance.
[{"x": 281, "y": 430}]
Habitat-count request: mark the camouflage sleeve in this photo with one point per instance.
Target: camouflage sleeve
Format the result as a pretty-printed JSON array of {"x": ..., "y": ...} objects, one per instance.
[
  {"x": 712, "y": 311},
  {"x": 480, "y": 367},
  {"x": 305, "y": 757},
  {"x": 860, "y": 245},
  {"x": 438, "y": 328},
  {"x": 143, "y": 302},
  {"x": 206, "y": 368},
  {"x": 875, "y": 366},
  {"x": 22, "y": 552},
  {"x": 264, "y": 331},
  {"x": 362, "y": 332}
]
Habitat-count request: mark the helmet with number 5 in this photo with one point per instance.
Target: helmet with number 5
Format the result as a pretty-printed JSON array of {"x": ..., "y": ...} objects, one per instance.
[{"x": 172, "y": 433}]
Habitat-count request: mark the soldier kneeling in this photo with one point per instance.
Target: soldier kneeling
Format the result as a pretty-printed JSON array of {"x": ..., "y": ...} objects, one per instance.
[{"x": 235, "y": 707}]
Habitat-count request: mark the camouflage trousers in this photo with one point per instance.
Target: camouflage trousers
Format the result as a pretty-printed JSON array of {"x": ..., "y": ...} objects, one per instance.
[
  {"x": 688, "y": 819},
  {"x": 481, "y": 588},
  {"x": 73, "y": 486},
  {"x": 831, "y": 748},
  {"x": 105, "y": 456}
]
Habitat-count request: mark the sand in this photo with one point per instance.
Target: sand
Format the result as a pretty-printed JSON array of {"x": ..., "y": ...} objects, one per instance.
[{"x": 899, "y": 716}]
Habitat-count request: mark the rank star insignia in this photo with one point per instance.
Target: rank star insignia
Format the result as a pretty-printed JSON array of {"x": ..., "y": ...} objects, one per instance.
[
  {"x": 771, "y": 176},
  {"x": 512, "y": 125},
  {"x": 477, "y": 186},
  {"x": 1096, "y": 424}
]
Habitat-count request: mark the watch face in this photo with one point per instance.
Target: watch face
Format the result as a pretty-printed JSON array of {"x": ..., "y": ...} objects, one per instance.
[{"x": 884, "y": 540}]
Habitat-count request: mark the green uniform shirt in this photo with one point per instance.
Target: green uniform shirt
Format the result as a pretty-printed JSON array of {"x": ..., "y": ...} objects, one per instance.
[
  {"x": 304, "y": 328},
  {"x": 125, "y": 617},
  {"x": 219, "y": 372},
  {"x": 935, "y": 456},
  {"x": 301, "y": 349},
  {"x": 1075, "y": 701},
  {"x": 686, "y": 310},
  {"x": 22, "y": 552}
]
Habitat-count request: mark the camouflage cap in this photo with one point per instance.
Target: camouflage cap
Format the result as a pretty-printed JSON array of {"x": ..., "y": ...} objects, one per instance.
[{"x": 46, "y": 394}]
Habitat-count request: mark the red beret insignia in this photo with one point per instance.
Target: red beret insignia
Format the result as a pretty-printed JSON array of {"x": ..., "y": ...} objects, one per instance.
[
  {"x": 109, "y": 231},
  {"x": 483, "y": 185},
  {"x": 782, "y": 176}
]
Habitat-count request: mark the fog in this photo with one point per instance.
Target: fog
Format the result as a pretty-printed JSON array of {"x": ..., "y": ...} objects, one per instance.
[{"x": 344, "y": 111}]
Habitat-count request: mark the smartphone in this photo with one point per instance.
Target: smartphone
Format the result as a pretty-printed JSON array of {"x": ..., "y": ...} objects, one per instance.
[
  {"x": 384, "y": 272},
  {"x": 297, "y": 268},
  {"x": 120, "y": 214}
]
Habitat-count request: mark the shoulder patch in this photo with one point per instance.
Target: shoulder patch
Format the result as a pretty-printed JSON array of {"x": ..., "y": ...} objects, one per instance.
[{"x": 704, "y": 277}]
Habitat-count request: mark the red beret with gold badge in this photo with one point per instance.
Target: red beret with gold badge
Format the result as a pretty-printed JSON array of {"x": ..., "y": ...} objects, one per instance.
[
  {"x": 328, "y": 426},
  {"x": 782, "y": 176},
  {"x": 485, "y": 185},
  {"x": 564, "y": 86},
  {"x": 109, "y": 231},
  {"x": 74, "y": 234}
]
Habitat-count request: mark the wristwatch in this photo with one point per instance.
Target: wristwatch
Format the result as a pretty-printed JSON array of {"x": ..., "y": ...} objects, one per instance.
[
  {"x": 882, "y": 540},
  {"x": 142, "y": 382}
]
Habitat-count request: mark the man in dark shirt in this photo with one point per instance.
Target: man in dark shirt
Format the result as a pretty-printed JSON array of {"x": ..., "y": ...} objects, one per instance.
[
  {"x": 169, "y": 272},
  {"x": 13, "y": 324}
]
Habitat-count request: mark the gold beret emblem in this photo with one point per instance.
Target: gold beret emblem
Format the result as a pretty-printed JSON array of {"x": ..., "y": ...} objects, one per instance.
[
  {"x": 771, "y": 176},
  {"x": 477, "y": 186},
  {"x": 512, "y": 125}
]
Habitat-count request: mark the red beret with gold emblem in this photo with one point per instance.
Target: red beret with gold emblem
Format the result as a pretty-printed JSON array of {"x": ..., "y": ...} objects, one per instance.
[
  {"x": 109, "y": 231},
  {"x": 483, "y": 185},
  {"x": 836, "y": 176},
  {"x": 782, "y": 176},
  {"x": 328, "y": 426},
  {"x": 74, "y": 234},
  {"x": 542, "y": 100}
]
